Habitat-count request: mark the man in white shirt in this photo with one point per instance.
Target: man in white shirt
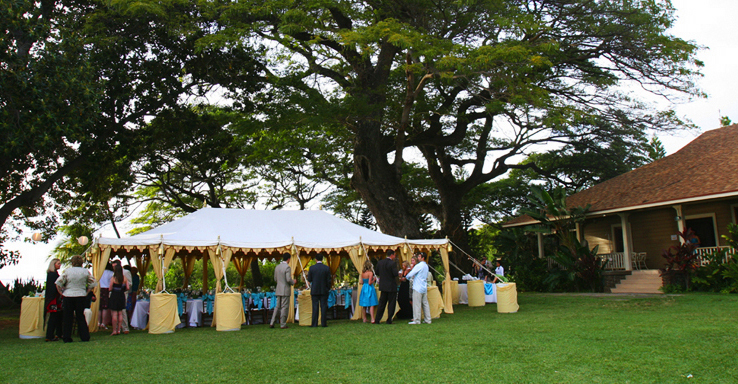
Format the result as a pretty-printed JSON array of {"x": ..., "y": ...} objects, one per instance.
[
  {"x": 419, "y": 274},
  {"x": 499, "y": 271}
]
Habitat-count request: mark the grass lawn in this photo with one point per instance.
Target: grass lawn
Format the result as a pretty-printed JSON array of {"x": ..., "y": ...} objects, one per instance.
[{"x": 552, "y": 339}]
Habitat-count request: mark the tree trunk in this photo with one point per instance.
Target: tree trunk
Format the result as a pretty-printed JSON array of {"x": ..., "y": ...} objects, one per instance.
[{"x": 379, "y": 185}]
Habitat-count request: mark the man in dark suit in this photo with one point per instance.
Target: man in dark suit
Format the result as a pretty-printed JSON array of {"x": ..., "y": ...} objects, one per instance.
[
  {"x": 387, "y": 272},
  {"x": 319, "y": 277}
]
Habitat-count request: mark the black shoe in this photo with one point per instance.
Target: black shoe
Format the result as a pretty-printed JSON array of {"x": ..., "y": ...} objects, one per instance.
[
  {"x": 313, "y": 326},
  {"x": 324, "y": 326},
  {"x": 271, "y": 325},
  {"x": 389, "y": 322}
]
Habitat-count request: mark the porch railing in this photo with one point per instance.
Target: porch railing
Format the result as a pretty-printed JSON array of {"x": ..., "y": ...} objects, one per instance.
[
  {"x": 704, "y": 252},
  {"x": 615, "y": 261}
]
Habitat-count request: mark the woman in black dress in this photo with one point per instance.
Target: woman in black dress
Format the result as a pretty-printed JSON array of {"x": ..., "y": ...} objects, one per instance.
[
  {"x": 403, "y": 295},
  {"x": 52, "y": 302},
  {"x": 117, "y": 302}
]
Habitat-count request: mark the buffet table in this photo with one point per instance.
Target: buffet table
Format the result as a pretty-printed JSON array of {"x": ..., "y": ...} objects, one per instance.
[
  {"x": 140, "y": 317},
  {"x": 31, "y": 325}
]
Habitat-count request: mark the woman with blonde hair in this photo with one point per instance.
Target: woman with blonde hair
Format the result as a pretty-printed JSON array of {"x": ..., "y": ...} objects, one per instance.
[
  {"x": 52, "y": 302},
  {"x": 368, "y": 295}
]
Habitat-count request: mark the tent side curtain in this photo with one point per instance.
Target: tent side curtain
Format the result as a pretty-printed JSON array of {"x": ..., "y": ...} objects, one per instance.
[
  {"x": 448, "y": 300},
  {"x": 358, "y": 261},
  {"x": 99, "y": 261}
]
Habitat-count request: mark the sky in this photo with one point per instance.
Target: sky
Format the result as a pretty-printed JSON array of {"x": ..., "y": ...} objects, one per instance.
[{"x": 709, "y": 23}]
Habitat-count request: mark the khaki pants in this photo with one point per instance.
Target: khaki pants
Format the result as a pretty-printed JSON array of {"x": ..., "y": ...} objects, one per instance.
[
  {"x": 420, "y": 300},
  {"x": 281, "y": 308}
]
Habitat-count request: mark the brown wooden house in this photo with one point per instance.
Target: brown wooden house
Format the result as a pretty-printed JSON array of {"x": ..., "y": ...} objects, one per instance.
[{"x": 635, "y": 216}]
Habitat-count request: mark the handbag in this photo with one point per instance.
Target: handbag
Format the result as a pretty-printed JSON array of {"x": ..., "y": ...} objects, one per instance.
[{"x": 55, "y": 305}]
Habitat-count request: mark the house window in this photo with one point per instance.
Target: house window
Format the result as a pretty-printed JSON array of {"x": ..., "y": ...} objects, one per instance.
[{"x": 704, "y": 228}]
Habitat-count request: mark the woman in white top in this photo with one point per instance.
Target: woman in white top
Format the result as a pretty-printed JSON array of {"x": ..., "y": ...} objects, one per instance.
[
  {"x": 74, "y": 284},
  {"x": 105, "y": 314}
]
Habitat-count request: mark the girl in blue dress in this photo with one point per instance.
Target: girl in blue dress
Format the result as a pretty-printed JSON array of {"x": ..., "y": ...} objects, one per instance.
[{"x": 368, "y": 295}]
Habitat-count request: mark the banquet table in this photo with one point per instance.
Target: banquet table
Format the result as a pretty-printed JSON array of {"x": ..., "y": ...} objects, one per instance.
[
  {"x": 140, "y": 317},
  {"x": 31, "y": 324},
  {"x": 463, "y": 294},
  {"x": 490, "y": 293},
  {"x": 194, "y": 310}
]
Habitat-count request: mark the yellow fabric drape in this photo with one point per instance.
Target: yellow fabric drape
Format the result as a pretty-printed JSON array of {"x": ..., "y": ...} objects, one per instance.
[
  {"x": 448, "y": 297},
  {"x": 507, "y": 298},
  {"x": 305, "y": 301},
  {"x": 229, "y": 310},
  {"x": 217, "y": 268},
  {"x": 475, "y": 290},
  {"x": 99, "y": 261},
  {"x": 294, "y": 264},
  {"x": 242, "y": 265},
  {"x": 156, "y": 264},
  {"x": 31, "y": 324},
  {"x": 219, "y": 265},
  {"x": 435, "y": 302},
  {"x": 358, "y": 263},
  {"x": 333, "y": 262},
  {"x": 163, "y": 315},
  {"x": 143, "y": 265},
  {"x": 188, "y": 262},
  {"x": 161, "y": 265}
]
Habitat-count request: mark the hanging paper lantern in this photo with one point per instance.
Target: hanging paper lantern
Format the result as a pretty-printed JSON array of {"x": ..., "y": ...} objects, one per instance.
[
  {"x": 83, "y": 240},
  {"x": 36, "y": 236}
]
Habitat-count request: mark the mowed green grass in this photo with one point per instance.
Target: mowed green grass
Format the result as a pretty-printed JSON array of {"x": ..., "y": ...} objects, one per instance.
[{"x": 552, "y": 339}]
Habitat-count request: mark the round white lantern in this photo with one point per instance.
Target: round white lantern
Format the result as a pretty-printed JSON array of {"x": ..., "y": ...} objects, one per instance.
[
  {"x": 83, "y": 240},
  {"x": 36, "y": 236}
]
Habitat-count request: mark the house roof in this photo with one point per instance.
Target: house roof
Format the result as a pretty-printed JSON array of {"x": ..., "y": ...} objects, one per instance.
[{"x": 705, "y": 168}]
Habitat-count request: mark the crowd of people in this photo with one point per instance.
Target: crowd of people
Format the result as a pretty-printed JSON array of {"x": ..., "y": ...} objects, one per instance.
[{"x": 68, "y": 295}]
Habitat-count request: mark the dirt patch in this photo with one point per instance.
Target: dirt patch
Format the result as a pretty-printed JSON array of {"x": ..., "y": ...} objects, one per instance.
[{"x": 9, "y": 319}]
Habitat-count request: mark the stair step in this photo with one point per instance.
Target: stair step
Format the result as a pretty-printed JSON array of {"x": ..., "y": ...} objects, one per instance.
[{"x": 640, "y": 281}]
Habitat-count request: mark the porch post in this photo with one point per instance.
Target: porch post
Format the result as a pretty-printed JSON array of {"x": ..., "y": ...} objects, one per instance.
[
  {"x": 627, "y": 242},
  {"x": 541, "y": 254},
  {"x": 679, "y": 220}
]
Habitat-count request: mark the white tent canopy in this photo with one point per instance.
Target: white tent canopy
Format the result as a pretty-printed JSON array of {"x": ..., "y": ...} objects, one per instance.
[{"x": 262, "y": 229}]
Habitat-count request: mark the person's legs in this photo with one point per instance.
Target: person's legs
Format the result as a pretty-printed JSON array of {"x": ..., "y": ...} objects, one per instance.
[
  {"x": 416, "y": 307},
  {"x": 392, "y": 299},
  {"x": 79, "y": 312},
  {"x": 371, "y": 312},
  {"x": 275, "y": 314},
  {"x": 284, "y": 303},
  {"x": 426, "y": 308},
  {"x": 382, "y": 304},
  {"x": 324, "y": 310},
  {"x": 123, "y": 319},
  {"x": 114, "y": 318},
  {"x": 316, "y": 307},
  {"x": 68, "y": 316}
]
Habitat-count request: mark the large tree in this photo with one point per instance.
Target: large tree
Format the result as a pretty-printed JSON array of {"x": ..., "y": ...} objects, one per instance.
[
  {"x": 77, "y": 82},
  {"x": 466, "y": 86}
]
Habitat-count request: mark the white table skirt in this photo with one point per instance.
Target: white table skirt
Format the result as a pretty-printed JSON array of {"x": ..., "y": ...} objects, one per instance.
[
  {"x": 463, "y": 294},
  {"x": 490, "y": 298},
  {"x": 140, "y": 317},
  {"x": 194, "y": 310}
]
